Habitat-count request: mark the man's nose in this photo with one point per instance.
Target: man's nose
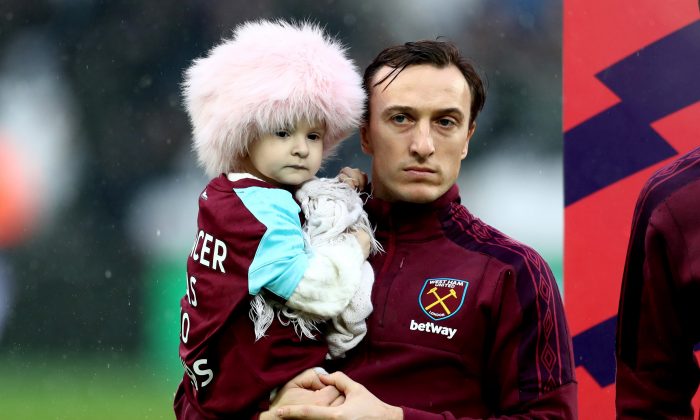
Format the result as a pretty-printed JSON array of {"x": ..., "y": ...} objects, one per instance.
[
  {"x": 300, "y": 147},
  {"x": 422, "y": 143}
]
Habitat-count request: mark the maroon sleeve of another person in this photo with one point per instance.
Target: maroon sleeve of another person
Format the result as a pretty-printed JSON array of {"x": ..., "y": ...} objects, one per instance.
[{"x": 659, "y": 313}]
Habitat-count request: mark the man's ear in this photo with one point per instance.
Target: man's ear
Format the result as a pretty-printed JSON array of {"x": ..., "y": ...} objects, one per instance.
[
  {"x": 470, "y": 133},
  {"x": 365, "y": 142}
]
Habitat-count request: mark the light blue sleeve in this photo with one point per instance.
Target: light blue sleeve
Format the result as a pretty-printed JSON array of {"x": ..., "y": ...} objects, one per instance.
[{"x": 280, "y": 260}]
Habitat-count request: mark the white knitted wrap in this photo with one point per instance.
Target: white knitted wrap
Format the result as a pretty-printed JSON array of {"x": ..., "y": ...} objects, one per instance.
[{"x": 338, "y": 283}]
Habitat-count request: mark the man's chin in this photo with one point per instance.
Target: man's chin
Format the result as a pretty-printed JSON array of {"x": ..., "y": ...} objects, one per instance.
[
  {"x": 420, "y": 194},
  {"x": 423, "y": 199}
]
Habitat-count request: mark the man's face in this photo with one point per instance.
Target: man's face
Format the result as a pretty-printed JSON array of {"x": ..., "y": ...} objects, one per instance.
[{"x": 418, "y": 132}]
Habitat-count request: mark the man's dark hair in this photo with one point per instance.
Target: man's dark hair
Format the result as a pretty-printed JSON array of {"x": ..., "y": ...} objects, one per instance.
[{"x": 437, "y": 53}]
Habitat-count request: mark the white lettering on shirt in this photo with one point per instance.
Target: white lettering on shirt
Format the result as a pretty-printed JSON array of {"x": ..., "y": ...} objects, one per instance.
[
  {"x": 193, "y": 254},
  {"x": 205, "y": 250},
  {"x": 200, "y": 255},
  {"x": 196, "y": 372},
  {"x": 433, "y": 328},
  {"x": 219, "y": 255}
]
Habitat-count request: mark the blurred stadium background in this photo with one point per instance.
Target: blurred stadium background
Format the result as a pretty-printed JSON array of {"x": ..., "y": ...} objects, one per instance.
[{"x": 98, "y": 185}]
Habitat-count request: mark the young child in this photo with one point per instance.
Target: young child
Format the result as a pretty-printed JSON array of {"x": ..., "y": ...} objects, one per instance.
[{"x": 266, "y": 107}]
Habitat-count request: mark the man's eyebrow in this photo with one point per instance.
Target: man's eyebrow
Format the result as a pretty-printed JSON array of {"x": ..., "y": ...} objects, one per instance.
[
  {"x": 453, "y": 111},
  {"x": 401, "y": 109},
  {"x": 407, "y": 110}
]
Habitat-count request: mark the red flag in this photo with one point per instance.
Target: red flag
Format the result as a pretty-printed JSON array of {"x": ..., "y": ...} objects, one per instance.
[{"x": 631, "y": 105}]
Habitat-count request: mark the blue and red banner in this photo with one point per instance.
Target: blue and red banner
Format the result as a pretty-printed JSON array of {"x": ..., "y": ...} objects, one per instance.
[{"x": 631, "y": 105}]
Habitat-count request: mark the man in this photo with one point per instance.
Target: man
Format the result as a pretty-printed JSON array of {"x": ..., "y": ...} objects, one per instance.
[
  {"x": 467, "y": 322},
  {"x": 658, "y": 317}
]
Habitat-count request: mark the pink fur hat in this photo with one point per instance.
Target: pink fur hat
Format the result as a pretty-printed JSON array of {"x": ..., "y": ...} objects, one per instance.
[{"x": 267, "y": 77}]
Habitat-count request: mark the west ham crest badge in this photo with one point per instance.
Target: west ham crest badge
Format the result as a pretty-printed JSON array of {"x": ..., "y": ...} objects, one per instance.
[{"x": 441, "y": 298}]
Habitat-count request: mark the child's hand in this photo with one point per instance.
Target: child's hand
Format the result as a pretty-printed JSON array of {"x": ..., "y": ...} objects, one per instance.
[
  {"x": 364, "y": 240},
  {"x": 353, "y": 177}
]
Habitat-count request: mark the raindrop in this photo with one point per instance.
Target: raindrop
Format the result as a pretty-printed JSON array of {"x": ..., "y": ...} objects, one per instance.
[{"x": 145, "y": 81}]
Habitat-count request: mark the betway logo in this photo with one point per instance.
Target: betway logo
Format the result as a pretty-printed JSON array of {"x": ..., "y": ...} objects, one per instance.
[{"x": 432, "y": 328}]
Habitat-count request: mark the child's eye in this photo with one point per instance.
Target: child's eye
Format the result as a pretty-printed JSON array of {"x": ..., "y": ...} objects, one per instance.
[
  {"x": 313, "y": 136},
  {"x": 282, "y": 133}
]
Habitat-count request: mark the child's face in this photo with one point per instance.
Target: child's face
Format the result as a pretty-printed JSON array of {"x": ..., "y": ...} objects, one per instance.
[{"x": 287, "y": 156}]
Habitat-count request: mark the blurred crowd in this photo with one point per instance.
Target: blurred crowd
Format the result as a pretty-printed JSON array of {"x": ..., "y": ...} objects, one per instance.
[{"x": 97, "y": 177}]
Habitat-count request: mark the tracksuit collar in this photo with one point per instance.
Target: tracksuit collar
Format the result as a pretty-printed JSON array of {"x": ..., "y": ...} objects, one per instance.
[{"x": 412, "y": 221}]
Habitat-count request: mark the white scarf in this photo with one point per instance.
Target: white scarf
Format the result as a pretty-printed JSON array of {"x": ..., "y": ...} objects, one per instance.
[{"x": 332, "y": 210}]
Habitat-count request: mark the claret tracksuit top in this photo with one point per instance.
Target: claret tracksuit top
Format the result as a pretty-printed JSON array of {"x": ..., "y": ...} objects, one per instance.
[
  {"x": 659, "y": 315},
  {"x": 467, "y": 322}
]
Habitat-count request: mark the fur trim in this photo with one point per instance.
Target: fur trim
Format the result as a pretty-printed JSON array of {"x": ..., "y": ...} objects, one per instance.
[
  {"x": 262, "y": 313},
  {"x": 267, "y": 77}
]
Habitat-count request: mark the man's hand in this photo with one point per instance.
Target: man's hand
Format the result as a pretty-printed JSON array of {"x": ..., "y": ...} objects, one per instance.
[
  {"x": 359, "y": 403},
  {"x": 353, "y": 177},
  {"x": 304, "y": 389}
]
